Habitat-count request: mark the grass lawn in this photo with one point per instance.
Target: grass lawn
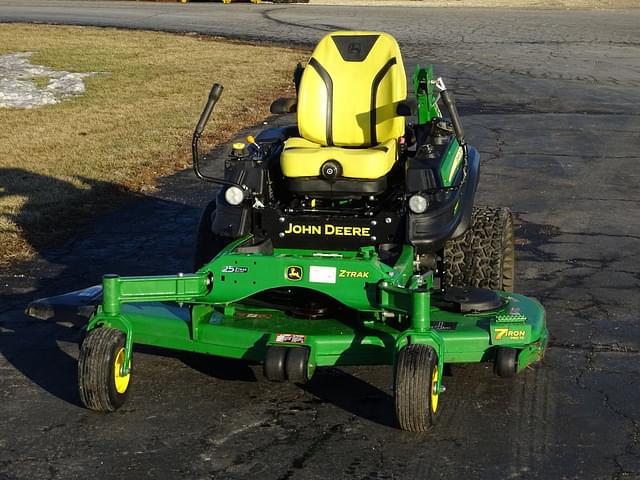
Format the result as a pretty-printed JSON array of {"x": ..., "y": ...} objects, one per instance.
[{"x": 63, "y": 163}]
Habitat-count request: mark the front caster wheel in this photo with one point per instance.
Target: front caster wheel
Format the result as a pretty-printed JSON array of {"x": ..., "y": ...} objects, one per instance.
[
  {"x": 506, "y": 362},
  {"x": 415, "y": 388},
  {"x": 101, "y": 384},
  {"x": 275, "y": 364}
]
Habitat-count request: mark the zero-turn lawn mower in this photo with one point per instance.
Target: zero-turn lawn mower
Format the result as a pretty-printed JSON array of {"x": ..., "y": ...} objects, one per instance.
[{"x": 349, "y": 238}]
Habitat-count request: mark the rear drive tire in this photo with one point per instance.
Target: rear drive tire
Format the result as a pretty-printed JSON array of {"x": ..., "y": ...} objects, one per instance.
[
  {"x": 415, "y": 396},
  {"x": 484, "y": 256},
  {"x": 101, "y": 385}
]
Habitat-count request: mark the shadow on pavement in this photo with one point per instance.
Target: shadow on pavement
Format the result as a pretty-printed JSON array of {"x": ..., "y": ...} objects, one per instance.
[
  {"x": 352, "y": 394},
  {"x": 149, "y": 235}
]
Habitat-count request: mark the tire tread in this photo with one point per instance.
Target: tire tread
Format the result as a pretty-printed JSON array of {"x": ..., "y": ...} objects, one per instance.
[
  {"x": 95, "y": 369},
  {"x": 412, "y": 387},
  {"x": 484, "y": 256}
]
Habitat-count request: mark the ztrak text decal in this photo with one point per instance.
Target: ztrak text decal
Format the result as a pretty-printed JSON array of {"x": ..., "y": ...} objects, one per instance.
[{"x": 349, "y": 274}]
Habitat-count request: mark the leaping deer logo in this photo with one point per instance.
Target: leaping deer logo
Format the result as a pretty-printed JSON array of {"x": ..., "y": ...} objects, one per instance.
[{"x": 294, "y": 273}]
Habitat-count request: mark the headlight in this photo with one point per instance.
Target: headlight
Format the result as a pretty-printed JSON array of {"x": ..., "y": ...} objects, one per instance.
[
  {"x": 234, "y": 195},
  {"x": 418, "y": 204}
]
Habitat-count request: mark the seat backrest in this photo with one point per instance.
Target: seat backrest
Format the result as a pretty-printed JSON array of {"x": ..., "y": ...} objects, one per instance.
[{"x": 350, "y": 89}]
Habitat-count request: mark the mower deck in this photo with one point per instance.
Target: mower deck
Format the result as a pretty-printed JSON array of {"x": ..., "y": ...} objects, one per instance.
[{"x": 245, "y": 332}]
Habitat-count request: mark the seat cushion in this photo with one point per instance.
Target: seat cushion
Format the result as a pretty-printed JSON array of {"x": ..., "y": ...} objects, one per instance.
[{"x": 303, "y": 158}]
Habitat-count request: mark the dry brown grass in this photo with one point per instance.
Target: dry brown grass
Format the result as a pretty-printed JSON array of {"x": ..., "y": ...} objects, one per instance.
[{"x": 63, "y": 163}]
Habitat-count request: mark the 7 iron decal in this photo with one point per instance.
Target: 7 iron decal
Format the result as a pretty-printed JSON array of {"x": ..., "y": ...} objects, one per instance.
[{"x": 504, "y": 333}]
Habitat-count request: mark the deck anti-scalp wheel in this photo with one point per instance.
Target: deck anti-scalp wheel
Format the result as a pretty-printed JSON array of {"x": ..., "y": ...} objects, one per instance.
[
  {"x": 415, "y": 394},
  {"x": 102, "y": 386},
  {"x": 506, "y": 362},
  {"x": 275, "y": 364},
  {"x": 297, "y": 363}
]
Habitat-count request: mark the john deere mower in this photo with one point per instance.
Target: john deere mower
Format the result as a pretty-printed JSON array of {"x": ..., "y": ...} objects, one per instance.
[{"x": 349, "y": 238}]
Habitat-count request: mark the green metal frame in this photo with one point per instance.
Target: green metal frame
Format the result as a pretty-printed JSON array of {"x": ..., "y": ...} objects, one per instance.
[
  {"x": 208, "y": 311},
  {"x": 427, "y": 102}
]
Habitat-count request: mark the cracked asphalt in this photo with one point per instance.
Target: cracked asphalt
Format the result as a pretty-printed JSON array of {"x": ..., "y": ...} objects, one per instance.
[{"x": 552, "y": 100}]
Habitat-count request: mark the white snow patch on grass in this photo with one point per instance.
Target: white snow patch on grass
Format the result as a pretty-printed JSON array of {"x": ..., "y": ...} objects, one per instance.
[{"x": 19, "y": 90}]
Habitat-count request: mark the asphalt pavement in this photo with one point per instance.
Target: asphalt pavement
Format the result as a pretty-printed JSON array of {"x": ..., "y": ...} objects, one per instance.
[{"x": 552, "y": 100}]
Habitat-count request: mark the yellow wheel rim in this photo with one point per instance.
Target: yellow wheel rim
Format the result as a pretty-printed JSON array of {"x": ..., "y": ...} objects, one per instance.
[
  {"x": 434, "y": 388},
  {"x": 121, "y": 381}
]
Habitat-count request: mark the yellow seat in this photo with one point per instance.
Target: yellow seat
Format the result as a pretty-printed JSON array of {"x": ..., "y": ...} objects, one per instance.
[
  {"x": 302, "y": 158},
  {"x": 347, "y": 107}
]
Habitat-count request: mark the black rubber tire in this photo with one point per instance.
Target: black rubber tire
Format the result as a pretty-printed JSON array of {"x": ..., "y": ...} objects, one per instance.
[
  {"x": 207, "y": 244},
  {"x": 275, "y": 362},
  {"x": 96, "y": 372},
  {"x": 506, "y": 362},
  {"x": 413, "y": 384},
  {"x": 297, "y": 363},
  {"x": 484, "y": 256}
]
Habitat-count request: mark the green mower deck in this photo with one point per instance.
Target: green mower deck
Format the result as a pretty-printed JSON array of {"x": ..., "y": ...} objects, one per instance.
[
  {"x": 244, "y": 332},
  {"x": 210, "y": 312}
]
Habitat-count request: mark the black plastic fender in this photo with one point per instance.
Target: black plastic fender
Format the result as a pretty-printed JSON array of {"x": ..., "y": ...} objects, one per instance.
[{"x": 429, "y": 231}]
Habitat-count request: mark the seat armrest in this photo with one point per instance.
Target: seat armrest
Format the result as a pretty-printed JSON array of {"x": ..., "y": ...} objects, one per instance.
[{"x": 284, "y": 105}]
